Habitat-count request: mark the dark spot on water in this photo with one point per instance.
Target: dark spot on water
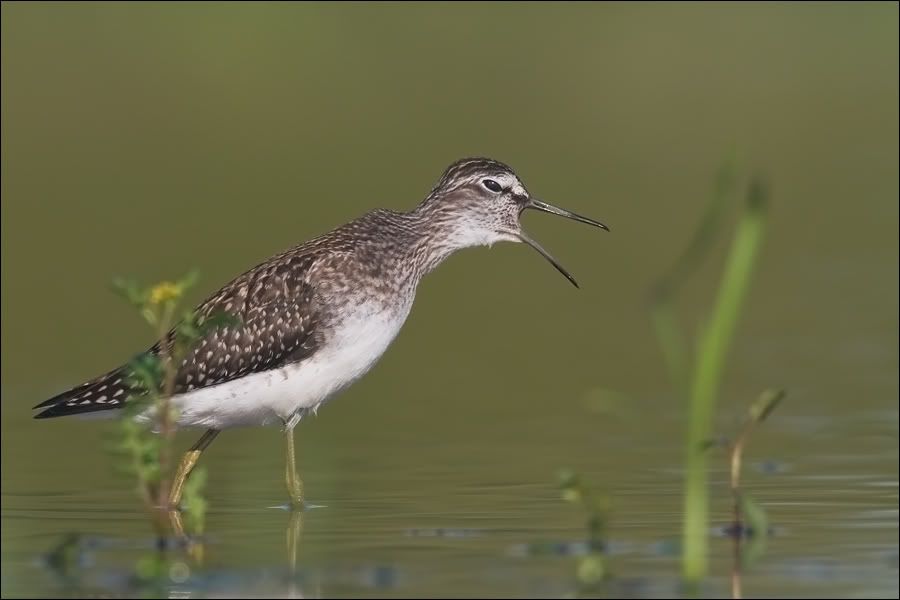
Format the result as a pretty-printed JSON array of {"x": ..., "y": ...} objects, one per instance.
[
  {"x": 442, "y": 532},
  {"x": 771, "y": 467},
  {"x": 739, "y": 530},
  {"x": 668, "y": 548}
]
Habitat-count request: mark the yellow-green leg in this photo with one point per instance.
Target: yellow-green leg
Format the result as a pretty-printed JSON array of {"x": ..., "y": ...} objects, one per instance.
[
  {"x": 195, "y": 547},
  {"x": 294, "y": 484},
  {"x": 186, "y": 465},
  {"x": 294, "y": 529}
]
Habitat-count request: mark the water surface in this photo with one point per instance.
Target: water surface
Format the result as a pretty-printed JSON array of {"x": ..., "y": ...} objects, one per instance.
[{"x": 147, "y": 140}]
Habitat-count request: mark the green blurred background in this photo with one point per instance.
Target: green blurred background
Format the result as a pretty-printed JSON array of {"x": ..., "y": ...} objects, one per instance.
[{"x": 148, "y": 139}]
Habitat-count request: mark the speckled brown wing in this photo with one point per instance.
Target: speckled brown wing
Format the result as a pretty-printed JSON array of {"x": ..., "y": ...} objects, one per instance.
[{"x": 274, "y": 304}]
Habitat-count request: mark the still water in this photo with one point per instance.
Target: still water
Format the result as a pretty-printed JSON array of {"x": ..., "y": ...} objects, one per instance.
[{"x": 147, "y": 140}]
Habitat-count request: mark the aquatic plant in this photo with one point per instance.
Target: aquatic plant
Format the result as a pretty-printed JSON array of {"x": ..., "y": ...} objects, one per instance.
[
  {"x": 147, "y": 448},
  {"x": 749, "y": 520},
  {"x": 592, "y": 567},
  {"x": 697, "y": 376}
]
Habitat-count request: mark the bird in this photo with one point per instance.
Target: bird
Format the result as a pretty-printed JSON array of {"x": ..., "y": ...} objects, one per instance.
[{"x": 315, "y": 318}]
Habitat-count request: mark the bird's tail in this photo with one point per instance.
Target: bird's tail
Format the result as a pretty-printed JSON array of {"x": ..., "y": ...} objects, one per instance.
[{"x": 106, "y": 392}]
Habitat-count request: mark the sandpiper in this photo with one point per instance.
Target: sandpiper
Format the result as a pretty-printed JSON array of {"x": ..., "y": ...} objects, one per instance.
[{"x": 316, "y": 317}]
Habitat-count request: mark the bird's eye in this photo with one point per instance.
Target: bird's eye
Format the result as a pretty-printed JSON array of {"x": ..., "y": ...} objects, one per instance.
[{"x": 492, "y": 185}]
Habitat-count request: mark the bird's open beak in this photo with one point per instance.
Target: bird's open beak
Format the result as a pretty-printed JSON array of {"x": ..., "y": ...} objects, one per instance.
[{"x": 553, "y": 210}]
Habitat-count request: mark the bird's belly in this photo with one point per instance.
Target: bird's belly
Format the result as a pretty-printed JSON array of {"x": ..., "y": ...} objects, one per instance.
[{"x": 282, "y": 396}]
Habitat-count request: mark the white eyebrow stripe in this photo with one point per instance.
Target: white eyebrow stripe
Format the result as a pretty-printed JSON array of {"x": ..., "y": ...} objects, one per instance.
[{"x": 506, "y": 181}]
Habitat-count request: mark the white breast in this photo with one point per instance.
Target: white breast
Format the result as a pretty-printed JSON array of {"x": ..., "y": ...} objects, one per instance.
[{"x": 284, "y": 395}]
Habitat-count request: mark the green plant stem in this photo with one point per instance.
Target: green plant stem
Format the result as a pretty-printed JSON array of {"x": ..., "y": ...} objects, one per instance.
[
  {"x": 662, "y": 296},
  {"x": 759, "y": 411},
  {"x": 737, "y": 450},
  {"x": 702, "y": 239},
  {"x": 711, "y": 352},
  {"x": 672, "y": 342},
  {"x": 164, "y": 413}
]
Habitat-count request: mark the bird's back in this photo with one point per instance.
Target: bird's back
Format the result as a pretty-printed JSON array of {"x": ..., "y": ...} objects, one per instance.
[{"x": 284, "y": 308}]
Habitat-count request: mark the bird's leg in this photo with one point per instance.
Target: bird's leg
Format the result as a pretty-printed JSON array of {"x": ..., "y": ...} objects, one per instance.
[
  {"x": 186, "y": 465},
  {"x": 195, "y": 546},
  {"x": 294, "y": 484},
  {"x": 294, "y": 529}
]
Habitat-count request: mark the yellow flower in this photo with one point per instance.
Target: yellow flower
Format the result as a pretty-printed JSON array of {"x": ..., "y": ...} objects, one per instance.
[{"x": 163, "y": 292}]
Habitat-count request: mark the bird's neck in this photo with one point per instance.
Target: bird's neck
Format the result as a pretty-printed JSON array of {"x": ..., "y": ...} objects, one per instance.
[
  {"x": 435, "y": 234},
  {"x": 414, "y": 243}
]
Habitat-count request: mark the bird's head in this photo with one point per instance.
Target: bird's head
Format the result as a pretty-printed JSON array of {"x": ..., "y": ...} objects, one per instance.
[{"x": 479, "y": 201}]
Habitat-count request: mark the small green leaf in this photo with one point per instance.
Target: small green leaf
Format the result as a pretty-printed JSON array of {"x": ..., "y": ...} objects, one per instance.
[
  {"x": 755, "y": 517},
  {"x": 130, "y": 291},
  {"x": 756, "y": 524},
  {"x": 146, "y": 372},
  {"x": 591, "y": 570},
  {"x": 194, "y": 503},
  {"x": 571, "y": 495},
  {"x": 152, "y": 567},
  {"x": 568, "y": 478},
  {"x": 189, "y": 280},
  {"x": 187, "y": 330},
  {"x": 765, "y": 404},
  {"x": 217, "y": 320},
  {"x": 150, "y": 315}
]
